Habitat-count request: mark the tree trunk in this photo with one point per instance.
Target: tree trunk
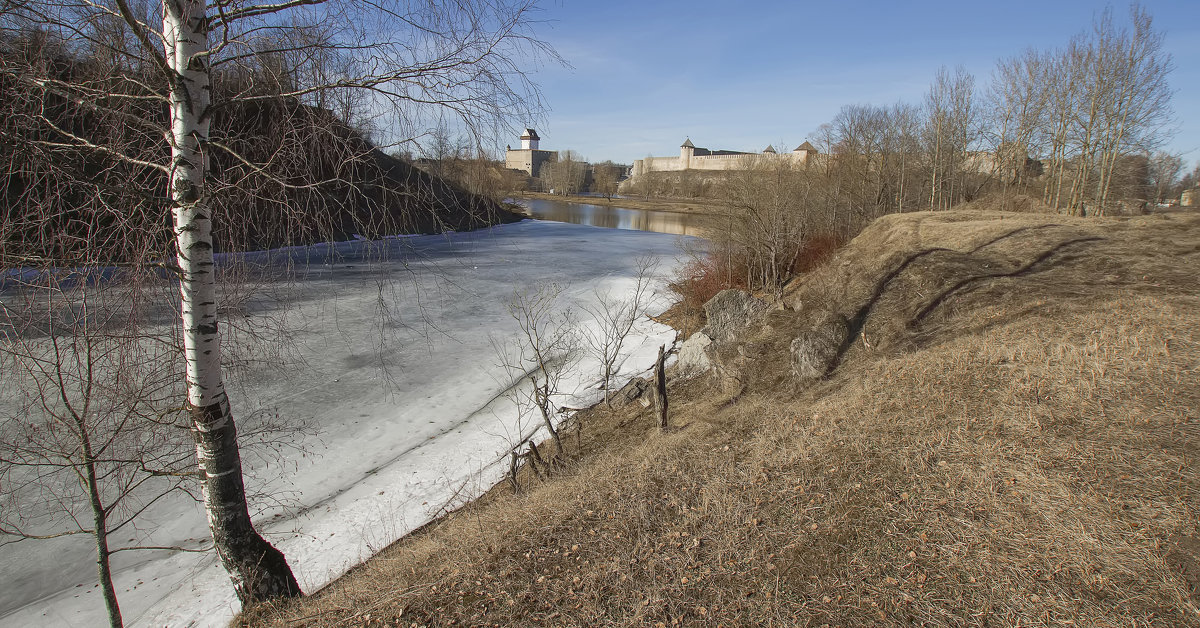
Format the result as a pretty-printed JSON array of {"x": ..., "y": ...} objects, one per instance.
[
  {"x": 514, "y": 465},
  {"x": 99, "y": 530},
  {"x": 258, "y": 570},
  {"x": 660, "y": 388},
  {"x": 545, "y": 407},
  {"x": 536, "y": 462}
]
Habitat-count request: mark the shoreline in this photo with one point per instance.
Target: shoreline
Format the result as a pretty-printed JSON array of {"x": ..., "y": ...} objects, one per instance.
[{"x": 695, "y": 207}]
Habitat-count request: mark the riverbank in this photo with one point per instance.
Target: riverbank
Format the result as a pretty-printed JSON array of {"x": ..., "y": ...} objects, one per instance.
[
  {"x": 389, "y": 364},
  {"x": 678, "y": 205},
  {"x": 1005, "y": 434}
]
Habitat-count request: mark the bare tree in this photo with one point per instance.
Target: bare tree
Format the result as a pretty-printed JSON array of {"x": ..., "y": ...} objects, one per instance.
[
  {"x": 772, "y": 209},
  {"x": 1186, "y": 182},
  {"x": 199, "y": 61},
  {"x": 1105, "y": 97},
  {"x": 1136, "y": 107},
  {"x": 565, "y": 176},
  {"x": 615, "y": 317},
  {"x": 1164, "y": 169},
  {"x": 544, "y": 351},
  {"x": 951, "y": 131},
  {"x": 606, "y": 178},
  {"x": 93, "y": 438},
  {"x": 92, "y": 431},
  {"x": 1016, "y": 100}
]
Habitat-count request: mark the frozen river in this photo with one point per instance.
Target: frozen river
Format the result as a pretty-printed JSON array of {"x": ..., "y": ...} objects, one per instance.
[
  {"x": 408, "y": 407},
  {"x": 613, "y": 216}
]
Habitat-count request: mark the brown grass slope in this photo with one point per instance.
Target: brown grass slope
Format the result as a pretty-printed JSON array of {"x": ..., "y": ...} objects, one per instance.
[{"x": 1009, "y": 439}]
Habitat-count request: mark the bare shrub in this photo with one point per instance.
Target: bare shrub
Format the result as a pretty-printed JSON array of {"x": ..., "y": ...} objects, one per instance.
[
  {"x": 615, "y": 317},
  {"x": 544, "y": 351}
]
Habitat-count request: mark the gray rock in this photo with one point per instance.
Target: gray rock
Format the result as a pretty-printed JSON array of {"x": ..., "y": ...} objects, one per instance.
[
  {"x": 634, "y": 390},
  {"x": 729, "y": 368},
  {"x": 729, "y": 312},
  {"x": 814, "y": 351},
  {"x": 692, "y": 358}
]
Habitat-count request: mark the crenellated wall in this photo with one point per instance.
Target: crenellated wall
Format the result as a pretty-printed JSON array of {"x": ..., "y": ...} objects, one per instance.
[{"x": 689, "y": 160}]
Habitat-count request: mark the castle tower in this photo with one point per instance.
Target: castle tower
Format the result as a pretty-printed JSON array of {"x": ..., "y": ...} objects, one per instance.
[
  {"x": 804, "y": 152},
  {"x": 686, "y": 150},
  {"x": 529, "y": 141}
]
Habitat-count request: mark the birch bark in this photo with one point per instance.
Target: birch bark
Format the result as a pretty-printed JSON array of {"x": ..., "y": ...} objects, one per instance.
[{"x": 258, "y": 570}]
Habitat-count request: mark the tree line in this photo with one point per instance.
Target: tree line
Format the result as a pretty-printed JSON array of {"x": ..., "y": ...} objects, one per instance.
[
  {"x": 1079, "y": 129},
  {"x": 473, "y": 168}
]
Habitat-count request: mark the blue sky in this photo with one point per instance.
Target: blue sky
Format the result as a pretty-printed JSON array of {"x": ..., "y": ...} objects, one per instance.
[{"x": 645, "y": 75}]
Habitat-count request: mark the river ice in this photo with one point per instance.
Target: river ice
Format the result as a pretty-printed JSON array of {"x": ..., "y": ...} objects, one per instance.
[{"x": 396, "y": 372}]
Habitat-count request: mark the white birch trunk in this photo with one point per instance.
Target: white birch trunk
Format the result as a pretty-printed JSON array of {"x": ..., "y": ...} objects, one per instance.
[{"x": 258, "y": 570}]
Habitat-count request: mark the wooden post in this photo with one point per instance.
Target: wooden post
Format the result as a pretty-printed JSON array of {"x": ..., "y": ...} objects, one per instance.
[
  {"x": 537, "y": 463},
  {"x": 660, "y": 388},
  {"x": 514, "y": 465}
]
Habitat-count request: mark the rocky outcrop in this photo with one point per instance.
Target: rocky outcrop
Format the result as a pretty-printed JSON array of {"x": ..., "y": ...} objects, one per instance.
[
  {"x": 692, "y": 358},
  {"x": 731, "y": 363},
  {"x": 730, "y": 312},
  {"x": 814, "y": 352}
]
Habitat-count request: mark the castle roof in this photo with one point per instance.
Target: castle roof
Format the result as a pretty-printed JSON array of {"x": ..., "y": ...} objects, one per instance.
[
  {"x": 530, "y": 134},
  {"x": 769, "y": 149},
  {"x": 805, "y": 146},
  {"x": 687, "y": 143}
]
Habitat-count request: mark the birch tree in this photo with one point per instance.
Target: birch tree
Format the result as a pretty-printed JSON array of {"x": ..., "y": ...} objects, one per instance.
[
  {"x": 398, "y": 64},
  {"x": 1106, "y": 97},
  {"x": 1138, "y": 106}
]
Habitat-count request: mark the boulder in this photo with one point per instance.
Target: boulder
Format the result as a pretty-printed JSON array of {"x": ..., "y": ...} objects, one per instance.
[
  {"x": 692, "y": 358},
  {"x": 730, "y": 362},
  {"x": 729, "y": 312},
  {"x": 815, "y": 351}
]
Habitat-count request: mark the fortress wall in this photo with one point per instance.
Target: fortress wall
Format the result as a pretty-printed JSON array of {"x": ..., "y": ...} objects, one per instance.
[
  {"x": 719, "y": 162},
  {"x": 714, "y": 162},
  {"x": 657, "y": 164},
  {"x": 529, "y": 160},
  {"x": 519, "y": 160},
  {"x": 706, "y": 162}
]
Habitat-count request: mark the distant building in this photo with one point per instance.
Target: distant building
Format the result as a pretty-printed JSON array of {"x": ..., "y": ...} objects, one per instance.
[
  {"x": 1190, "y": 198},
  {"x": 529, "y": 158},
  {"x": 693, "y": 158}
]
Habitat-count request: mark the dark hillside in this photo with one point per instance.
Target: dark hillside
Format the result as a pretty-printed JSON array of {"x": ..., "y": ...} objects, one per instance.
[
  {"x": 282, "y": 172},
  {"x": 360, "y": 191}
]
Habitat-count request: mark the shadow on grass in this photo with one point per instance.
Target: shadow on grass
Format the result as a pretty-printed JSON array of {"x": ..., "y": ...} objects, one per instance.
[{"x": 1042, "y": 262}]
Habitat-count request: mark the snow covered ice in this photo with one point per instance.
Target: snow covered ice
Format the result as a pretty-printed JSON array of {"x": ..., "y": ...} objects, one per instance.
[{"x": 397, "y": 373}]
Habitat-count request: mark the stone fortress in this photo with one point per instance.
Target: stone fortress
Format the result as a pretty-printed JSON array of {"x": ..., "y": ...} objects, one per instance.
[
  {"x": 529, "y": 158},
  {"x": 693, "y": 158}
]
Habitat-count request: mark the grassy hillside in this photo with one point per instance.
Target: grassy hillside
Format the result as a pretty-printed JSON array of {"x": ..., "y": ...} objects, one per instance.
[{"x": 1009, "y": 437}]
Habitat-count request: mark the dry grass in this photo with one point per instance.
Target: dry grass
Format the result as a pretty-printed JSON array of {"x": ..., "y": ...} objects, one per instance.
[
  {"x": 1009, "y": 202},
  {"x": 1021, "y": 453}
]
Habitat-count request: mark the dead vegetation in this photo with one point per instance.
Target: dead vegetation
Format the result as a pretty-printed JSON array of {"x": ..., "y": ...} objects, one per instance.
[{"x": 1008, "y": 437}]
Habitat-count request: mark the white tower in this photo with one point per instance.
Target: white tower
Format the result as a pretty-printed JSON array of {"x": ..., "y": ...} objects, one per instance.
[
  {"x": 529, "y": 141},
  {"x": 686, "y": 150}
]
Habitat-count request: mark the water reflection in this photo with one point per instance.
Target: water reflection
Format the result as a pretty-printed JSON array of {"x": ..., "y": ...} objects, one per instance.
[{"x": 614, "y": 217}]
